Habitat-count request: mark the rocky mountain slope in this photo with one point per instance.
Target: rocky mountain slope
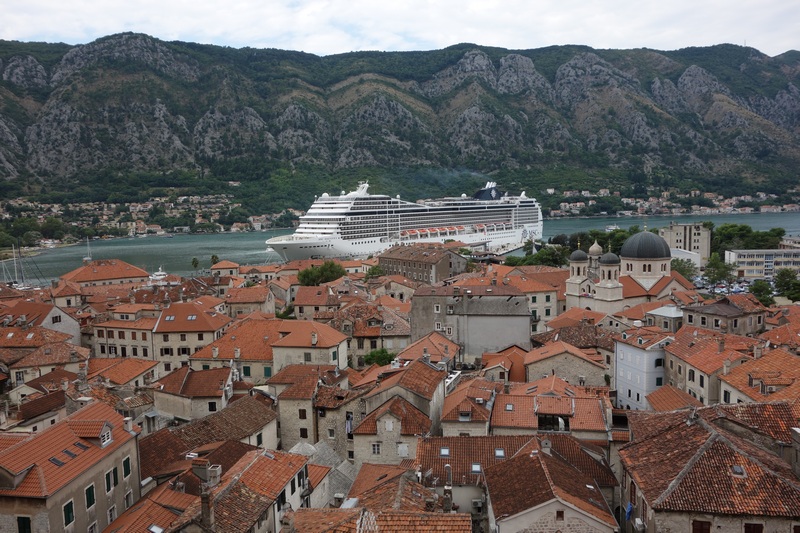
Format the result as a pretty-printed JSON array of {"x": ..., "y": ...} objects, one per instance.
[{"x": 130, "y": 102}]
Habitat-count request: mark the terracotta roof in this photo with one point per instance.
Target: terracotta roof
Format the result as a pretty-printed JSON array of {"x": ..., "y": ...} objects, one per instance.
[
  {"x": 521, "y": 412},
  {"x": 52, "y": 380},
  {"x": 638, "y": 312},
  {"x": 418, "y": 377},
  {"x": 30, "y": 458},
  {"x": 777, "y": 368},
  {"x": 462, "y": 452},
  {"x": 225, "y": 264},
  {"x": 43, "y": 404},
  {"x": 237, "y": 421},
  {"x": 462, "y": 400},
  {"x": 787, "y": 336},
  {"x": 34, "y": 313},
  {"x": 558, "y": 348},
  {"x": 327, "y": 520},
  {"x": 644, "y": 337},
  {"x": 120, "y": 370},
  {"x": 58, "y": 353},
  {"x": 500, "y": 291},
  {"x": 669, "y": 398},
  {"x": 316, "y": 473},
  {"x": 533, "y": 477},
  {"x": 301, "y": 333},
  {"x": 101, "y": 270},
  {"x": 30, "y": 337},
  {"x": 158, "y": 507},
  {"x": 403, "y": 493},
  {"x": 331, "y": 397},
  {"x": 412, "y": 420},
  {"x": 190, "y": 316},
  {"x": 574, "y": 316},
  {"x": 195, "y": 383},
  {"x": 512, "y": 359},
  {"x": 437, "y": 346},
  {"x": 241, "y": 295},
  {"x": 253, "y": 336},
  {"x": 372, "y": 475},
  {"x": 688, "y": 463},
  {"x": 580, "y": 335}
]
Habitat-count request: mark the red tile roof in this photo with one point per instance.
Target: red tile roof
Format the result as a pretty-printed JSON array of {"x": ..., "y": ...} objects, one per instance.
[
  {"x": 575, "y": 316},
  {"x": 30, "y": 458},
  {"x": 190, "y": 316},
  {"x": 688, "y": 463},
  {"x": 418, "y": 377},
  {"x": 412, "y": 420},
  {"x": 58, "y": 353},
  {"x": 101, "y": 270},
  {"x": 669, "y": 398},
  {"x": 437, "y": 346},
  {"x": 119, "y": 370},
  {"x": 558, "y": 348},
  {"x": 195, "y": 383}
]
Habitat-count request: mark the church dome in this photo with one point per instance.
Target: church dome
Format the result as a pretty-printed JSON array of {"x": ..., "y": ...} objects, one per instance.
[
  {"x": 609, "y": 259},
  {"x": 578, "y": 255},
  {"x": 595, "y": 249},
  {"x": 645, "y": 245}
]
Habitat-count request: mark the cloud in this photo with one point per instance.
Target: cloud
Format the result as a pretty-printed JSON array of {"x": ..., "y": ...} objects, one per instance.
[{"x": 326, "y": 27}]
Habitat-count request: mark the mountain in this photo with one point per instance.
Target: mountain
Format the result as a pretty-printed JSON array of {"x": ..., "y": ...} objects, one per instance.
[{"x": 107, "y": 118}]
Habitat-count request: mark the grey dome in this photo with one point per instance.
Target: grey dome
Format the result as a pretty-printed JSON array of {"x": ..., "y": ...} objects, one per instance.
[
  {"x": 595, "y": 249},
  {"x": 645, "y": 245},
  {"x": 578, "y": 255},
  {"x": 609, "y": 259}
]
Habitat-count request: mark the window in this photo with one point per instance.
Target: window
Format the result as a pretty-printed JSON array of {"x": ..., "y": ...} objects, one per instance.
[
  {"x": 101, "y": 333},
  {"x": 133, "y": 335},
  {"x": 726, "y": 396},
  {"x": 680, "y": 369},
  {"x": 331, "y": 433},
  {"x": 112, "y": 513},
  {"x": 111, "y": 334},
  {"x": 659, "y": 362},
  {"x": 24, "y": 524},
  {"x": 212, "y": 407},
  {"x": 105, "y": 437},
  {"x": 659, "y": 382},
  {"x": 560, "y": 516},
  {"x": 476, "y": 468},
  {"x": 702, "y": 381},
  {"x": 206, "y": 367},
  {"x": 701, "y": 526},
  {"x": 267, "y": 371},
  {"x": 303, "y": 433},
  {"x": 691, "y": 374},
  {"x": 444, "y": 451},
  {"x": 246, "y": 371},
  {"x": 56, "y": 319},
  {"x": 126, "y": 467},
  {"x": 307, "y": 357},
  {"x": 144, "y": 336},
  {"x": 437, "y": 308},
  {"x": 167, "y": 367},
  {"x": 437, "y": 326},
  {"x": 376, "y": 448},
  {"x": 69, "y": 513},
  {"x": 128, "y": 499},
  {"x": 547, "y": 298},
  {"x": 499, "y": 452},
  {"x": 301, "y": 413},
  {"x": 199, "y": 336},
  {"x": 703, "y": 321},
  {"x": 183, "y": 336},
  {"x": 753, "y": 528},
  {"x": 89, "y": 492}
]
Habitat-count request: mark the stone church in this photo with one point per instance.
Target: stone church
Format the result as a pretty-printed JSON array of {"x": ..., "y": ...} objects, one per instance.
[{"x": 608, "y": 283}]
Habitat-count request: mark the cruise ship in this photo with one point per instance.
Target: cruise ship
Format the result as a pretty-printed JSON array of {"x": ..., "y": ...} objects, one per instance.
[{"x": 358, "y": 224}]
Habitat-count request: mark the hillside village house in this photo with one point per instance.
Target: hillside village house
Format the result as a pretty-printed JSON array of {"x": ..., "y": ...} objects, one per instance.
[
  {"x": 240, "y": 301},
  {"x": 428, "y": 264},
  {"x": 129, "y": 332},
  {"x": 106, "y": 272},
  {"x": 389, "y": 433},
  {"x": 187, "y": 394},
  {"x": 639, "y": 365},
  {"x": 28, "y": 313}
]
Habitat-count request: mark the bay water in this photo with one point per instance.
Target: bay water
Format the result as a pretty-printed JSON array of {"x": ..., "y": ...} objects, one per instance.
[{"x": 174, "y": 254}]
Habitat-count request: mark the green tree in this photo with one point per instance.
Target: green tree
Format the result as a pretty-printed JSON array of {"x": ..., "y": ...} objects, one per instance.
[
  {"x": 787, "y": 284},
  {"x": 379, "y": 357},
  {"x": 328, "y": 271},
  {"x": 214, "y": 259},
  {"x": 555, "y": 256},
  {"x": 762, "y": 290},
  {"x": 374, "y": 271},
  {"x": 195, "y": 263},
  {"x": 684, "y": 267},
  {"x": 718, "y": 271}
]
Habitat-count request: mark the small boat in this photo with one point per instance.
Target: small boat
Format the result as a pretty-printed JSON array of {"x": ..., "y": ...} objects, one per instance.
[{"x": 612, "y": 227}]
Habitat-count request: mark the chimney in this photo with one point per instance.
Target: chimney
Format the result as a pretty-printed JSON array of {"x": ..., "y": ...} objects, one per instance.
[
  {"x": 546, "y": 446},
  {"x": 73, "y": 356},
  {"x": 447, "y": 500},
  {"x": 54, "y": 284},
  {"x": 128, "y": 424},
  {"x": 506, "y": 388},
  {"x": 726, "y": 367},
  {"x": 206, "y": 510},
  {"x": 721, "y": 344},
  {"x": 313, "y": 338},
  {"x": 338, "y": 499},
  {"x": 237, "y": 353},
  {"x": 214, "y": 352},
  {"x": 425, "y": 355},
  {"x": 64, "y": 384},
  {"x": 200, "y": 468},
  {"x": 758, "y": 351}
]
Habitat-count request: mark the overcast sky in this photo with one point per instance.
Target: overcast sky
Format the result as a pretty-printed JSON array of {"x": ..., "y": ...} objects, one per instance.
[{"x": 325, "y": 27}]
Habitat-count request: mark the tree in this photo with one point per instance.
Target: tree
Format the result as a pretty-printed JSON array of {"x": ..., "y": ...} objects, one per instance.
[
  {"x": 328, "y": 271},
  {"x": 762, "y": 290},
  {"x": 718, "y": 271},
  {"x": 374, "y": 271},
  {"x": 195, "y": 263},
  {"x": 379, "y": 357},
  {"x": 214, "y": 259},
  {"x": 555, "y": 256},
  {"x": 684, "y": 267},
  {"x": 787, "y": 284}
]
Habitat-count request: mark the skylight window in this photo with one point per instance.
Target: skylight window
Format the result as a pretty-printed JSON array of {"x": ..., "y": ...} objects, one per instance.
[
  {"x": 81, "y": 445},
  {"x": 509, "y": 407},
  {"x": 29, "y": 336},
  {"x": 70, "y": 454},
  {"x": 499, "y": 452},
  {"x": 476, "y": 468},
  {"x": 444, "y": 451},
  {"x": 169, "y": 318},
  {"x": 191, "y": 317},
  {"x": 56, "y": 462}
]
